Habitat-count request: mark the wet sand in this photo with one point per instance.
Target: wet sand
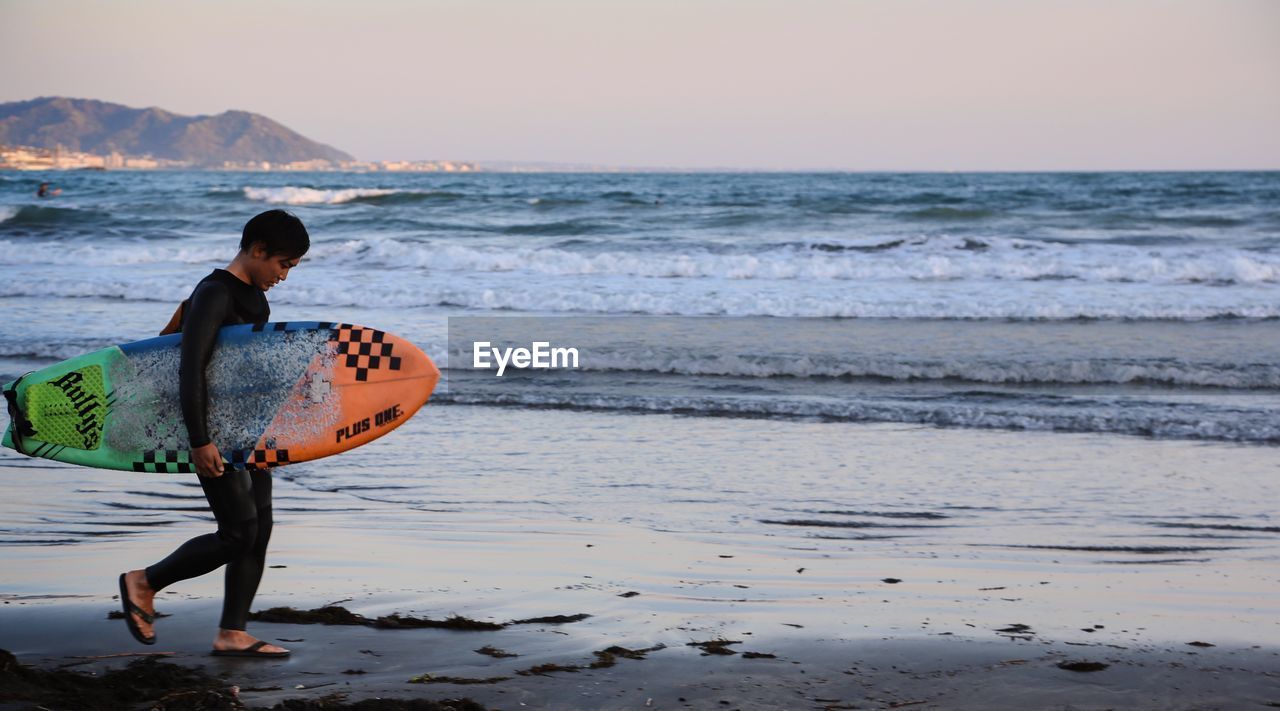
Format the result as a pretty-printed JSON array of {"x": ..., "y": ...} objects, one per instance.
[
  {"x": 565, "y": 666},
  {"x": 725, "y": 631}
]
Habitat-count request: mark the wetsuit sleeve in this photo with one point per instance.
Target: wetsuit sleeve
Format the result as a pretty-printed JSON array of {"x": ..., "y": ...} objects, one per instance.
[{"x": 208, "y": 308}]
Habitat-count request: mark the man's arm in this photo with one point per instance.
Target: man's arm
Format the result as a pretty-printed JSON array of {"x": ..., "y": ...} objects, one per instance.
[
  {"x": 175, "y": 321},
  {"x": 208, "y": 307}
]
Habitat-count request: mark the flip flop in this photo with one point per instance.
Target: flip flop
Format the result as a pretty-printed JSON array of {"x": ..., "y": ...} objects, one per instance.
[
  {"x": 252, "y": 650},
  {"x": 130, "y": 610}
]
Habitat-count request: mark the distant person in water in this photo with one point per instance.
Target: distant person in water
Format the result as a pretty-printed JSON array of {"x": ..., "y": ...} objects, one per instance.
[
  {"x": 45, "y": 191},
  {"x": 271, "y": 245}
]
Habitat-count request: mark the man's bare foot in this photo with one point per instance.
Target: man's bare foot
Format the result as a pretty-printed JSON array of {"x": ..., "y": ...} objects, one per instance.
[
  {"x": 141, "y": 594},
  {"x": 235, "y": 640}
]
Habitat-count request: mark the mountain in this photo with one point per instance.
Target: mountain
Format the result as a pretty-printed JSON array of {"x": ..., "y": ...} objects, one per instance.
[{"x": 100, "y": 127}]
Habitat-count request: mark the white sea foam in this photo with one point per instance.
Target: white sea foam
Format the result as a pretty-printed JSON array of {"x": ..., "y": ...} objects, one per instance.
[
  {"x": 7, "y": 212},
  {"x": 934, "y": 259},
  {"x": 290, "y": 195},
  {"x": 110, "y": 285},
  {"x": 109, "y": 255},
  {"x": 930, "y": 278},
  {"x": 328, "y": 286}
]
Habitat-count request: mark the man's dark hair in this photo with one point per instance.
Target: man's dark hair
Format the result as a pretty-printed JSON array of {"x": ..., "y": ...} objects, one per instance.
[{"x": 282, "y": 233}]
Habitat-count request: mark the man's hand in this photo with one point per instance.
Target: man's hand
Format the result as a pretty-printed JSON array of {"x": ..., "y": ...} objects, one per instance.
[{"x": 208, "y": 461}]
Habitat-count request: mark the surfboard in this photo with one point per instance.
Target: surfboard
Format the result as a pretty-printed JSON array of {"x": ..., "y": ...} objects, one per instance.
[{"x": 279, "y": 393}]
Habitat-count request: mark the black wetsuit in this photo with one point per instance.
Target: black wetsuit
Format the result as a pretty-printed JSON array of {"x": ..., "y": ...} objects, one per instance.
[{"x": 240, "y": 500}]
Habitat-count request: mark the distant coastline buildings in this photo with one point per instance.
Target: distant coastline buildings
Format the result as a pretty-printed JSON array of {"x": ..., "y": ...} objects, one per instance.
[{"x": 58, "y": 158}]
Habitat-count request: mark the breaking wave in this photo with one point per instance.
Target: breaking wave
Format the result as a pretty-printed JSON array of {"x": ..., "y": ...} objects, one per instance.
[
  {"x": 932, "y": 259},
  {"x": 290, "y": 195}
]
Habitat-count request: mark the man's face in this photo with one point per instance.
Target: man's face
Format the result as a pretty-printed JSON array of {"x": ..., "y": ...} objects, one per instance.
[{"x": 269, "y": 269}]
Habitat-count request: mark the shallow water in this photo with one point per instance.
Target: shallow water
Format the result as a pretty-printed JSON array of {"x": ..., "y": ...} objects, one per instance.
[{"x": 492, "y": 511}]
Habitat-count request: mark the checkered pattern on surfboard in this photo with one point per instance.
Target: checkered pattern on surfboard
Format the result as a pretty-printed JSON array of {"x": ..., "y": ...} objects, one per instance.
[
  {"x": 259, "y": 458},
  {"x": 165, "y": 461},
  {"x": 363, "y": 349}
]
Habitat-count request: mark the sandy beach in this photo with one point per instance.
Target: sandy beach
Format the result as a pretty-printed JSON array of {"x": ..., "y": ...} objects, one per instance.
[{"x": 945, "y": 608}]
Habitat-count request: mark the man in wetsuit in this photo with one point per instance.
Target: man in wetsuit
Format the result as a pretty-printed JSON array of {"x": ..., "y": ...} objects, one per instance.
[{"x": 271, "y": 245}]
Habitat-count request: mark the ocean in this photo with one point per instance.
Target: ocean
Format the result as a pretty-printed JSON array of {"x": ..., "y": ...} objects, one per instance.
[
  {"x": 1129, "y": 303},
  {"x": 1003, "y": 369}
]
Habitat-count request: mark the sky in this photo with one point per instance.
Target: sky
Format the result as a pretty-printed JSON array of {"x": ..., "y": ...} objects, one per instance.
[{"x": 747, "y": 84}]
